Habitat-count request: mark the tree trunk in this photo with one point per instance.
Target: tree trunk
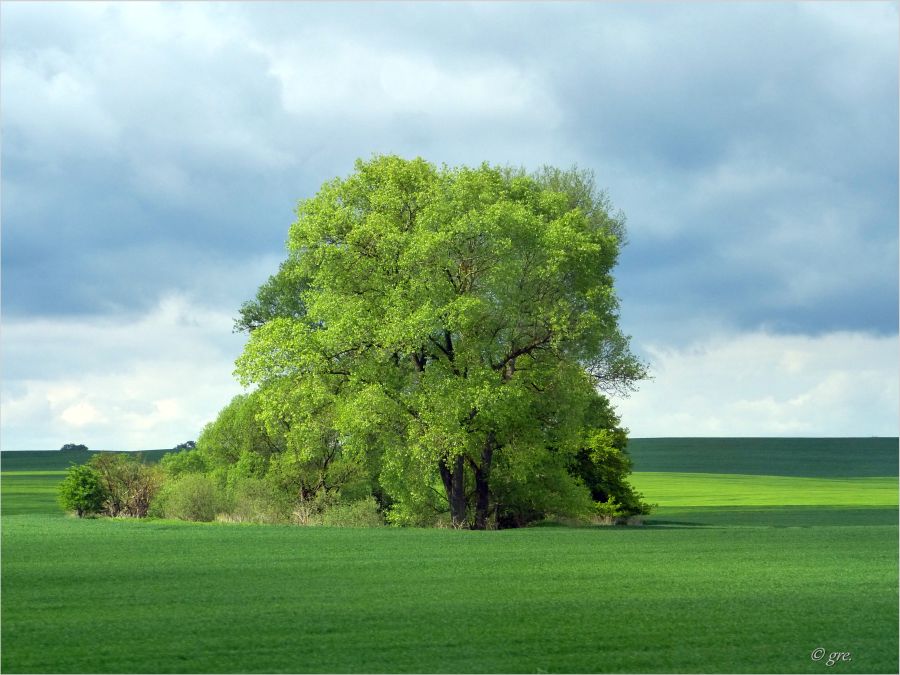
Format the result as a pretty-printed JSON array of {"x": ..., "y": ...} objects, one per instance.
[
  {"x": 482, "y": 482},
  {"x": 455, "y": 487}
]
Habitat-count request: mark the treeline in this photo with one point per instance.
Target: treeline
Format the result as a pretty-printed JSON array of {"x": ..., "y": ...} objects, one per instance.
[{"x": 240, "y": 470}]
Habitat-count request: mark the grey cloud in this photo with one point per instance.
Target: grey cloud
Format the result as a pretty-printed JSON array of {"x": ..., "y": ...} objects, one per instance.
[{"x": 753, "y": 147}]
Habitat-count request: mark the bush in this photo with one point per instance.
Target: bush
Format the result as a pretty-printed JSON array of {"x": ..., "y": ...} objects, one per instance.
[
  {"x": 256, "y": 500},
  {"x": 603, "y": 464},
  {"x": 191, "y": 497},
  {"x": 359, "y": 513},
  {"x": 82, "y": 491},
  {"x": 129, "y": 485},
  {"x": 529, "y": 492}
]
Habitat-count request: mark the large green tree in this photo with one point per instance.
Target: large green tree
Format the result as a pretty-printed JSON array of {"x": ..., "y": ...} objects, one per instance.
[{"x": 447, "y": 320}]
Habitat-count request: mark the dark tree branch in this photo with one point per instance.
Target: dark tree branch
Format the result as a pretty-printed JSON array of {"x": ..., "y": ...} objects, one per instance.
[
  {"x": 508, "y": 365},
  {"x": 448, "y": 354}
]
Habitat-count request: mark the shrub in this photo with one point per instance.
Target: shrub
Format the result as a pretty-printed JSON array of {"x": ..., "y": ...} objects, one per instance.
[
  {"x": 529, "y": 492},
  {"x": 603, "y": 464},
  {"x": 256, "y": 500},
  {"x": 82, "y": 491},
  {"x": 359, "y": 513},
  {"x": 129, "y": 484},
  {"x": 192, "y": 497}
]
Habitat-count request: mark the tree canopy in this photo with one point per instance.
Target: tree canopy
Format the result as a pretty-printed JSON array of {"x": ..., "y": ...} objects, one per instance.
[
  {"x": 82, "y": 490},
  {"x": 455, "y": 327}
]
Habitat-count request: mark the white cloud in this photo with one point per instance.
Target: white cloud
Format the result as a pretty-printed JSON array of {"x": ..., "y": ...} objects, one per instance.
[
  {"x": 81, "y": 414},
  {"x": 759, "y": 384},
  {"x": 324, "y": 77},
  {"x": 148, "y": 382},
  {"x": 154, "y": 380}
]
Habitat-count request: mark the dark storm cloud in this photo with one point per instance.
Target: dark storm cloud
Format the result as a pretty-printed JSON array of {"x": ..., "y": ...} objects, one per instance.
[{"x": 753, "y": 147}]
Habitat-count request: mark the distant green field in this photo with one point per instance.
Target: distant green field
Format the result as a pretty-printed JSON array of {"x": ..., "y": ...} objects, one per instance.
[
  {"x": 810, "y": 457},
  {"x": 30, "y": 492},
  {"x": 733, "y": 573},
  {"x": 54, "y": 460},
  {"x": 723, "y": 489}
]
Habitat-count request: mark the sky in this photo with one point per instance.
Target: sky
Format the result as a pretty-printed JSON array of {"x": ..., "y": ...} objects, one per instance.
[{"x": 152, "y": 156}]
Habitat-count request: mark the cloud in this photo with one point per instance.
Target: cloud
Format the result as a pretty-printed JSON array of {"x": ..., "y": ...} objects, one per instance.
[
  {"x": 157, "y": 150},
  {"x": 80, "y": 414},
  {"x": 760, "y": 384},
  {"x": 149, "y": 382},
  {"x": 753, "y": 147},
  {"x": 134, "y": 156}
]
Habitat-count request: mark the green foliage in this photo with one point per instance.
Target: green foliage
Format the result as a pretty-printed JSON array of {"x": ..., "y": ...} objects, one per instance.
[
  {"x": 447, "y": 317},
  {"x": 74, "y": 447},
  {"x": 236, "y": 430},
  {"x": 129, "y": 485},
  {"x": 270, "y": 470},
  {"x": 187, "y": 445},
  {"x": 603, "y": 465},
  {"x": 281, "y": 295},
  {"x": 256, "y": 500},
  {"x": 82, "y": 491},
  {"x": 191, "y": 497},
  {"x": 547, "y": 489},
  {"x": 248, "y": 465},
  {"x": 360, "y": 513},
  {"x": 176, "y": 464}
]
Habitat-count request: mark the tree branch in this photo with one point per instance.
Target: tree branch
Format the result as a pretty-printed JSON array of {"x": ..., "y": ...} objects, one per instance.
[{"x": 510, "y": 359}]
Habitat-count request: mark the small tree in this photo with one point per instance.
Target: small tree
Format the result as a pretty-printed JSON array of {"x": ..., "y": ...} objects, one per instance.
[
  {"x": 129, "y": 485},
  {"x": 82, "y": 490},
  {"x": 74, "y": 447}
]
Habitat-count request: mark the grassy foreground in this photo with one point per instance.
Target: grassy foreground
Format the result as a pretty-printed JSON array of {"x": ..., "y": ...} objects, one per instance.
[
  {"x": 719, "y": 580},
  {"x": 120, "y": 596}
]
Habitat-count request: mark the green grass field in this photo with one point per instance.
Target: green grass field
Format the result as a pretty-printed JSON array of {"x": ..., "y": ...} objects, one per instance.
[
  {"x": 723, "y": 578},
  {"x": 30, "y": 477},
  {"x": 45, "y": 460},
  {"x": 807, "y": 457},
  {"x": 29, "y": 492}
]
